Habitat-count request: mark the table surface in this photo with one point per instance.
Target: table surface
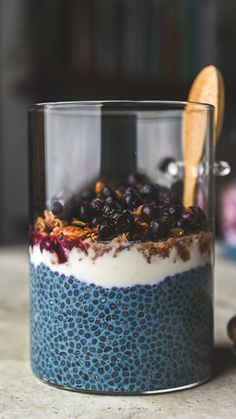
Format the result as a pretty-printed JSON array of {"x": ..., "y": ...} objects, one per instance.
[{"x": 24, "y": 396}]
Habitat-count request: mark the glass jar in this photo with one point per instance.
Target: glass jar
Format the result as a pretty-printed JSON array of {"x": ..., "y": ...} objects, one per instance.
[{"x": 121, "y": 267}]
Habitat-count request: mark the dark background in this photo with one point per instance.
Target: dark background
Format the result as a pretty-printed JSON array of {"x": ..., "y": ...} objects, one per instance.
[{"x": 103, "y": 49}]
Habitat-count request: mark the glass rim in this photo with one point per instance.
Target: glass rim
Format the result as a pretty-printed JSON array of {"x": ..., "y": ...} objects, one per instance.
[{"x": 126, "y": 104}]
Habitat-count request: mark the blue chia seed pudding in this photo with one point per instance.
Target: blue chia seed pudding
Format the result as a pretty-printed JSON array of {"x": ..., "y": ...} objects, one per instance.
[
  {"x": 132, "y": 339},
  {"x": 122, "y": 305}
]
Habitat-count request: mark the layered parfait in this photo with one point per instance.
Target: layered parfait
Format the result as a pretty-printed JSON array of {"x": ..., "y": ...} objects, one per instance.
[{"x": 121, "y": 289}]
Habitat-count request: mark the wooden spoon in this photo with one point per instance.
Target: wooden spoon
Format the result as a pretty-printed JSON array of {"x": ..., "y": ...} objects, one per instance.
[{"x": 208, "y": 87}]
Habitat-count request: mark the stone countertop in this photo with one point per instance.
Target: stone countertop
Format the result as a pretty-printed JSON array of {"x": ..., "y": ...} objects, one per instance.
[{"x": 23, "y": 396}]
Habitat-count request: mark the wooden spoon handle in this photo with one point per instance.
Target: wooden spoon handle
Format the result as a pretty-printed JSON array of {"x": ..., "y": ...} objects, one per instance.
[
  {"x": 190, "y": 186},
  {"x": 195, "y": 126}
]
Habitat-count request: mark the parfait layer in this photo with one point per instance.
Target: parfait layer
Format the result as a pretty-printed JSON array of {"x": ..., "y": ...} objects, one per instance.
[{"x": 121, "y": 292}]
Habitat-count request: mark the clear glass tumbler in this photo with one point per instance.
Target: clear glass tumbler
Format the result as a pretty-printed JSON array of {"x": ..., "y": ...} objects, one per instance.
[{"x": 121, "y": 265}]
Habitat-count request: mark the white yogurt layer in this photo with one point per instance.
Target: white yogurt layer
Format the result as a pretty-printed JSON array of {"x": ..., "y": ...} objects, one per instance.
[{"x": 127, "y": 268}]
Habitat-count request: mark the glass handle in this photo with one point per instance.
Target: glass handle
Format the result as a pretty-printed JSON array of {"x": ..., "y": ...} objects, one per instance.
[
  {"x": 221, "y": 168},
  {"x": 175, "y": 168}
]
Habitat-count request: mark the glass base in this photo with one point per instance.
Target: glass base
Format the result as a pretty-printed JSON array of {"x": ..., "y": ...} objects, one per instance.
[{"x": 125, "y": 393}]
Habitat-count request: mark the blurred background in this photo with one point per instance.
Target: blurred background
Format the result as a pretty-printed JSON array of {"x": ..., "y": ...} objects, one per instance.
[{"x": 104, "y": 49}]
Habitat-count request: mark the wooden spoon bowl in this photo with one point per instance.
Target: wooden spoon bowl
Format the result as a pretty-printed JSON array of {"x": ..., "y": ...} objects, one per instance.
[{"x": 208, "y": 88}]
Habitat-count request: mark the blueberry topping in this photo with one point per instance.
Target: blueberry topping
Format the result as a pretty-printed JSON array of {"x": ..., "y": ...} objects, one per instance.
[
  {"x": 158, "y": 229},
  {"x": 193, "y": 219},
  {"x": 199, "y": 214},
  {"x": 144, "y": 210},
  {"x": 107, "y": 192},
  {"x": 149, "y": 212},
  {"x": 174, "y": 211},
  {"x": 130, "y": 190},
  {"x": 175, "y": 223},
  {"x": 97, "y": 220},
  {"x": 96, "y": 205},
  {"x": 106, "y": 232},
  {"x": 62, "y": 204},
  {"x": 132, "y": 201},
  {"x": 87, "y": 195},
  {"x": 57, "y": 208},
  {"x": 167, "y": 199},
  {"x": 112, "y": 200},
  {"x": 136, "y": 178},
  {"x": 121, "y": 188},
  {"x": 109, "y": 209},
  {"x": 84, "y": 213},
  {"x": 131, "y": 198},
  {"x": 122, "y": 221},
  {"x": 146, "y": 189}
]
